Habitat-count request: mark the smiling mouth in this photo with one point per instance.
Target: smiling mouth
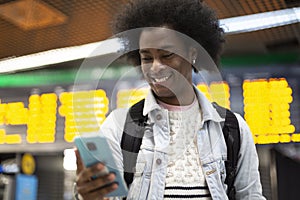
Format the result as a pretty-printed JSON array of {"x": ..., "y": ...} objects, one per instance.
[{"x": 160, "y": 79}]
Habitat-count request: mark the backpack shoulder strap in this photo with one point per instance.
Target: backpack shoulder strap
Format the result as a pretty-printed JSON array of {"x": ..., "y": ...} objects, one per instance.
[
  {"x": 131, "y": 141},
  {"x": 231, "y": 132}
]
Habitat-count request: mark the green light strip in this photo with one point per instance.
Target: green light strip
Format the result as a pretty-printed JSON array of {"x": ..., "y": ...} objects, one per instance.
[
  {"x": 32, "y": 79},
  {"x": 50, "y": 76},
  {"x": 258, "y": 60},
  {"x": 55, "y": 77}
]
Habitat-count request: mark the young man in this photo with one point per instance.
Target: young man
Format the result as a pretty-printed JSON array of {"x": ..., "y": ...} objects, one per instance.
[{"x": 183, "y": 150}]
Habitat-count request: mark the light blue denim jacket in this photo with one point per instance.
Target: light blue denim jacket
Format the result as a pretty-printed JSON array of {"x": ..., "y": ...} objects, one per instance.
[{"x": 149, "y": 179}]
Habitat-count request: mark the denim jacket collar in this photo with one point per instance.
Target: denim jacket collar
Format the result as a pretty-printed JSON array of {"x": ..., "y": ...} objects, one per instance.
[{"x": 208, "y": 111}]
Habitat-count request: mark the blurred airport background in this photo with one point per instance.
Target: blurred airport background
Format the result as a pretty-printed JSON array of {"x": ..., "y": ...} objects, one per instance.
[{"x": 61, "y": 74}]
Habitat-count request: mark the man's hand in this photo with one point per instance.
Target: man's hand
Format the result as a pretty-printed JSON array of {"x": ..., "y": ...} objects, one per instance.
[{"x": 93, "y": 188}]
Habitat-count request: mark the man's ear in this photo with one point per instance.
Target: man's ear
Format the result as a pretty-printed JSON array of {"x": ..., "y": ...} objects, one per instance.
[{"x": 193, "y": 53}]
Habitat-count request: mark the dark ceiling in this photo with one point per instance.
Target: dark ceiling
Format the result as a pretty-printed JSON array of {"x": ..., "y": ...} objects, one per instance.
[{"x": 77, "y": 22}]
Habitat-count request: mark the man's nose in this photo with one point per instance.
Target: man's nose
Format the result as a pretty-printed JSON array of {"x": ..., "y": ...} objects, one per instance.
[{"x": 157, "y": 66}]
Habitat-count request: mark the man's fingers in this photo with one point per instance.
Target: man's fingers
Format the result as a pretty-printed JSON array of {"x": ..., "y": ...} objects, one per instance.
[
  {"x": 92, "y": 172},
  {"x": 98, "y": 188},
  {"x": 110, "y": 188},
  {"x": 101, "y": 193},
  {"x": 95, "y": 184}
]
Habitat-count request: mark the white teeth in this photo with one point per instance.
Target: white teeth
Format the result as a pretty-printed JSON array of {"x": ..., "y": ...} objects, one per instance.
[{"x": 161, "y": 79}]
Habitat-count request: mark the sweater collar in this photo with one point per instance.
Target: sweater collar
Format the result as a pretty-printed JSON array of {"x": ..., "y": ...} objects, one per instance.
[{"x": 208, "y": 111}]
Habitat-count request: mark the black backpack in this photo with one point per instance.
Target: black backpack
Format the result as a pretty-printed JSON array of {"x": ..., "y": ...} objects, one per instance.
[{"x": 133, "y": 133}]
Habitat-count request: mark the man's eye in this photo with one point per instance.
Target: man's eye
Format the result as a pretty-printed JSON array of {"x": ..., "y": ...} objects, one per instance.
[
  {"x": 146, "y": 59},
  {"x": 168, "y": 55}
]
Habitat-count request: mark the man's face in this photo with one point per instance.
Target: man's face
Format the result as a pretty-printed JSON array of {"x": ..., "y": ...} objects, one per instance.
[{"x": 168, "y": 74}]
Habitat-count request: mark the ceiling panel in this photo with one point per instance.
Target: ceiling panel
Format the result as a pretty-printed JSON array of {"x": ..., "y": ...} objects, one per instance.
[{"x": 88, "y": 21}]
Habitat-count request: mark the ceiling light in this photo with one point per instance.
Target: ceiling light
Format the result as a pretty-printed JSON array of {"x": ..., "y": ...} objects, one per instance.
[
  {"x": 59, "y": 55},
  {"x": 260, "y": 21},
  {"x": 31, "y": 14}
]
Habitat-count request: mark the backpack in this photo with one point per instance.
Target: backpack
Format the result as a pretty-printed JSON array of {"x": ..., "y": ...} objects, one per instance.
[{"x": 133, "y": 133}]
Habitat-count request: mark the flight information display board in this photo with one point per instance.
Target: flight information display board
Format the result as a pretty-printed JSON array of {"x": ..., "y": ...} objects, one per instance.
[
  {"x": 55, "y": 114},
  {"x": 83, "y": 112}
]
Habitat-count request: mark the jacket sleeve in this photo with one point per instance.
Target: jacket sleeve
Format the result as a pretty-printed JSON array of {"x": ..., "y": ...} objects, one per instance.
[
  {"x": 247, "y": 182},
  {"x": 112, "y": 129}
]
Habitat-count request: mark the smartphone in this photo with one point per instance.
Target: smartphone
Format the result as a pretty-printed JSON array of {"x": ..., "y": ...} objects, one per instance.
[{"x": 95, "y": 149}]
